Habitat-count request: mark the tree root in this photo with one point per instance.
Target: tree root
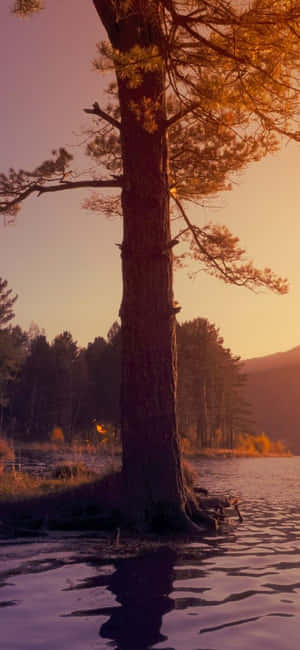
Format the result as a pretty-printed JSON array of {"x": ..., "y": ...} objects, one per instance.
[
  {"x": 209, "y": 511},
  {"x": 111, "y": 510}
]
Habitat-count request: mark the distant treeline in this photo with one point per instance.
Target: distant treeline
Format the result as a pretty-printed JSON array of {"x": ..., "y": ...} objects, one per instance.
[
  {"x": 212, "y": 410},
  {"x": 58, "y": 384},
  {"x": 43, "y": 385}
]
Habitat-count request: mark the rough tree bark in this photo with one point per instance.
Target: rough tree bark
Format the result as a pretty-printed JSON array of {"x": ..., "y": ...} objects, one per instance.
[{"x": 152, "y": 470}]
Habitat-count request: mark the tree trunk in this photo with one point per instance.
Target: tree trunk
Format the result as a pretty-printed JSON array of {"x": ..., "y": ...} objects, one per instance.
[
  {"x": 151, "y": 454},
  {"x": 1, "y": 417},
  {"x": 203, "y": 431}
]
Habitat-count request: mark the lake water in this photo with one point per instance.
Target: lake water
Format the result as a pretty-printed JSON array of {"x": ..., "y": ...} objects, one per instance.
[{"x": 234, "y": 591}]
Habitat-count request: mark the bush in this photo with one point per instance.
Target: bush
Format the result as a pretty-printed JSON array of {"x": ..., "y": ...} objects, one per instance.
[
  {"x": 279, "y": 448},
  {"x": 57, "y": 435},
  {"x": 252, "y": 445},
  {"x": 263, "y": 444},
  {"x": 6, "y": 452},
  {"x": 186, "y": 446}
]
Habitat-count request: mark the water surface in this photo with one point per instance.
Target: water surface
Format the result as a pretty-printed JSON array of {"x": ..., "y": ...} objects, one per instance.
[{"x": 239, "y": 590}]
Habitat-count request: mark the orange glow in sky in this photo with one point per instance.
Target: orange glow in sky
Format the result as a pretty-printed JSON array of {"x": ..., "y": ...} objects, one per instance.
[{"x": 63, "y": 261}]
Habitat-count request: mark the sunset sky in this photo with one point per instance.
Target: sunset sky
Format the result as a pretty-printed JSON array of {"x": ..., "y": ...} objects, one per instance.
[{"x": 62, "y": 260}]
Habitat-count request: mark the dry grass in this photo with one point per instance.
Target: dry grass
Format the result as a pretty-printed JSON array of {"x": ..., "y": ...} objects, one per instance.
[
  {"x": 30, "y": 505},
  {"x": 71, "y": 470},
  {"x": 76, "y": 447},
  {"x": 19, "y": 485},
  {"x": 6, "y": 451}
]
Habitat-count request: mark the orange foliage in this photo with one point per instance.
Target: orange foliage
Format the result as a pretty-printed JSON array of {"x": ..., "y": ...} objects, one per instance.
[
  {"x": 57, "y": 435},
  {"x": 263, "y": 444},
  {"x": 186, "y": 446},
  {"x": 101, "y": 428},
  {"x": 103, "y": 432},
  {"x": 219, "y": 434},
  {"x": 250, "y": 445},
  {"x": 6, "y": 451}
]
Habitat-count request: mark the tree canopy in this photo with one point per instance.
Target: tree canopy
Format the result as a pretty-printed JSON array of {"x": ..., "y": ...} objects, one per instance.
[
  {"x": 7, "y": 301},
  {"x": 58, "y": 385},
  {"x": 11, "y": 344},
  {"x": 231, "y": 92}
]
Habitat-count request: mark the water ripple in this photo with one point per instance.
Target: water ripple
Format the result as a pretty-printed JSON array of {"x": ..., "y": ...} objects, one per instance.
[{"x": 239, "y": 590}]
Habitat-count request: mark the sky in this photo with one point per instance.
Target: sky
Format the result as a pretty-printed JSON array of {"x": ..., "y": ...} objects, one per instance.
[{"x": 63, "y": 261}]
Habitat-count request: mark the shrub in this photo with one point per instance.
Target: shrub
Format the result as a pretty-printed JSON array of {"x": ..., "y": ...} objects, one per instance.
[
  {"x": 6, "y": 452},
  {"x": 186, "y": 445},
  {"x": 262, "y": 444},
  {"x": 279, "y": 448},
  {"x": 252, "y": 445},
  {"x": 57, "y": 435},
  {"x": 246, "y": 445}
]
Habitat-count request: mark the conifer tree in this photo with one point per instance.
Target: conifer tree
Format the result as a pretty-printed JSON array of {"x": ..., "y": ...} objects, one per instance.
[
  {"x": 7, "y": 301},
  {"x": 222, "y": 78},
  {"x": 11, "y": 344},
  {"x": 65, "y": 352}
]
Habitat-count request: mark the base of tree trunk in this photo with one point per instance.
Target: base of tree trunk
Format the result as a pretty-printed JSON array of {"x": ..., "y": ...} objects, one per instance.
[{"x": 101, "y": 506}]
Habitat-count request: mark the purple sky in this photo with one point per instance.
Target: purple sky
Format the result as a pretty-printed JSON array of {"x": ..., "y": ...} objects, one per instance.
[{"x": 62, "y": 260}]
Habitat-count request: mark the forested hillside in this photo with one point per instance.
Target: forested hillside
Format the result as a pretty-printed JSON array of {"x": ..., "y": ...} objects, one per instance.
[{"x": 273, "y": 388}]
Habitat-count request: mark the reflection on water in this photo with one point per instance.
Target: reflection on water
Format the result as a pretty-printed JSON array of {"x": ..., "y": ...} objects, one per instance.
[
  {"x": 235, "y": 591},
  {"x": 141, "y": 589}
]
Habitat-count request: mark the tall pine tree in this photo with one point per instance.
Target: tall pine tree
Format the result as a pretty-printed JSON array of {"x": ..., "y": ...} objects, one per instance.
[{"x": 211, "y": 71}]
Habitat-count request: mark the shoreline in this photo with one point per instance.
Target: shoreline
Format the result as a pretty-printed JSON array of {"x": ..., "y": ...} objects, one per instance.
[
  {"x": 235, "y": 453},
  {"x": 206, "y": 452}
]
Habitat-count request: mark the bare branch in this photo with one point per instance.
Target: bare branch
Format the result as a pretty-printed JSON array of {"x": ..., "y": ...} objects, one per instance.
[
  {"x": 191, "y": 228},
  {"x": 96, "y": 110},
  {"x": 181, "y": 114},
  {"x": 6, "y": 206}
]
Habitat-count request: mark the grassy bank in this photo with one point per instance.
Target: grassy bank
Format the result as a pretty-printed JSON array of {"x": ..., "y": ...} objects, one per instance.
[
  {"x": 31, "y": 505},
  {"x": 16, "y": 485},
  {"x": 76, "y": 447},
  {"x": 246, "y": 446},
  {"x": 72, "y": 497}
]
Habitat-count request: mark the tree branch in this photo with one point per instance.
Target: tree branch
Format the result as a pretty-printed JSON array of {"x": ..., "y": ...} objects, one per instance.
[
  {"x": 178, "y": 116},
  {"x": 226, "y": 260},
  {"x": 108, "y": 14},
  {"x": 202, "y": 249},
  {"x": 96, "y": 110},
  {"x": 5, "y": 206}
]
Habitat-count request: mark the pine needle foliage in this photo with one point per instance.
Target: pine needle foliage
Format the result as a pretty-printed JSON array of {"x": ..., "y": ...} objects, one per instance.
[
  {"x": 26, "y": 8},
  {"x": 231, "y": 93}
]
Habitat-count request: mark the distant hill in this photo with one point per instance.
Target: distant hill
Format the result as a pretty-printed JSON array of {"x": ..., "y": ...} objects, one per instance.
[
  {"x": 273, "y": 389},
  {"x": 271, "y": 361}
]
